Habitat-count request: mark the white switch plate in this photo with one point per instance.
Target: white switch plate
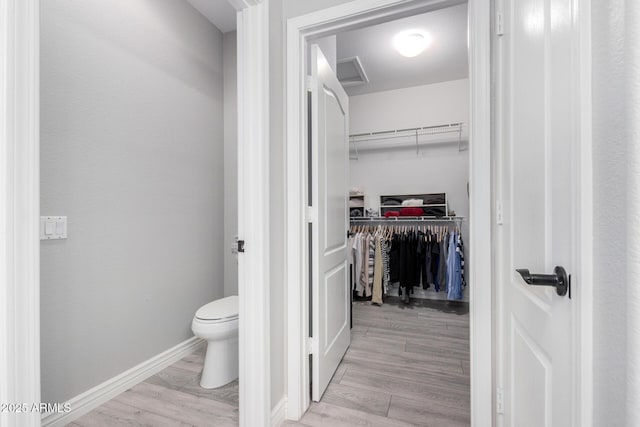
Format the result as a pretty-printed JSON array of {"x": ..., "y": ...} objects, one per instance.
[{"x": 53, "y": 227}]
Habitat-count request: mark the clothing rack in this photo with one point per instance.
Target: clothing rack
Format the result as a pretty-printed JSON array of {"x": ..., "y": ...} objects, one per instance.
[
  {"x": 441, "y": 224},
  {"x": 411, "y": 251},
  {"x": 413, "y": 219},
  {"x": 412, "y": 133}
]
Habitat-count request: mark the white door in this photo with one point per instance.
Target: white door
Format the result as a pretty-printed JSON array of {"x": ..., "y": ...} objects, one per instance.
[
  {"x": 331, "y": 334},
  {"x": 537, "y": 180}
]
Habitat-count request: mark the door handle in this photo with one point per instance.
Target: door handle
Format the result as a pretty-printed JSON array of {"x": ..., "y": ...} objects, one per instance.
[{"x": 558, "y": 280}]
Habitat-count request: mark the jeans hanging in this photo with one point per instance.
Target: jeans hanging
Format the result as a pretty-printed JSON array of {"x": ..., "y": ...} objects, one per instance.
[{"x": 454, "y": 270}]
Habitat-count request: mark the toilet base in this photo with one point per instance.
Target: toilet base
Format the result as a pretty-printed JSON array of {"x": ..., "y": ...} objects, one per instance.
[{"x": 220, "y": 363}]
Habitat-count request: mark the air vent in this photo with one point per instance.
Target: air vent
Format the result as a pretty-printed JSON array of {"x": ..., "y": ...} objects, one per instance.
[{"x": 350, "y": 72}]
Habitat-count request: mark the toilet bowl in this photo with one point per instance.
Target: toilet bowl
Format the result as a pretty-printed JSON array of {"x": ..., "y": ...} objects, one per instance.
[{"x": 217, "y": 323}]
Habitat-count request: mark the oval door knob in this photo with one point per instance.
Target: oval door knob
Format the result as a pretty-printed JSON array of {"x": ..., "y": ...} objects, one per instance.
[{"x": 558, "y": 280}]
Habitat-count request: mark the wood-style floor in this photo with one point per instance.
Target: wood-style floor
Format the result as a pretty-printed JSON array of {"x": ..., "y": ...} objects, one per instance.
[
  {"x": 406, "y": 366},
  {"x": 173, "y": 397}
]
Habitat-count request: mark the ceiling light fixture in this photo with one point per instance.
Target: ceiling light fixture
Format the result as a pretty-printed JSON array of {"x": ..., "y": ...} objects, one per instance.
[{"x": 412, "y": 43}]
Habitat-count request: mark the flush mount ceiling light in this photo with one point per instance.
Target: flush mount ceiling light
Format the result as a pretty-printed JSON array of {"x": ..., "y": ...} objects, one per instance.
[{"x": 411, "y": 43}]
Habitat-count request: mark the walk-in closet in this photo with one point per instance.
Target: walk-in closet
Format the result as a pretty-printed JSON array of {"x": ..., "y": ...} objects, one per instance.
[{"x": 408, "y": 208}]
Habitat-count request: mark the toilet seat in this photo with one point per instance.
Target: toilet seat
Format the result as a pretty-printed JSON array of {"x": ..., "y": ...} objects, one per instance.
[
  {"x": 219, "y": 311},
  {"x": 215, "y": 321}
]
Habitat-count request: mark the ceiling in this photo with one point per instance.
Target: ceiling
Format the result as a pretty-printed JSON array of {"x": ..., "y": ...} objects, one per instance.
[
  {"x": 219, "y": 12},
  {"x": 386, "y": 69}
]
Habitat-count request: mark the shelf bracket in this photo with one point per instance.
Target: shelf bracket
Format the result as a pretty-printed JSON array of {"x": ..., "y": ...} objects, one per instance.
[{"x": 355, "y": 147}]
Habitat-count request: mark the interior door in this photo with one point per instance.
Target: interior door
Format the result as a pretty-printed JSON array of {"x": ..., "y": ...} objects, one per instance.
[
  {"x": 330, "y": 330},
  {"x": 537, "y": 184}
]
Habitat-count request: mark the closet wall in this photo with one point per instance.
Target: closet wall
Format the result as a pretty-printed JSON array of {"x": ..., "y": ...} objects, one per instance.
[
  {"x": 440, "y": 168},
  {"x": 132, "y": 153}
]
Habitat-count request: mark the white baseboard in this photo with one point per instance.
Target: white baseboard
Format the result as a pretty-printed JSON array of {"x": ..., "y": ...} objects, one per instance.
[
  {"x": 109, "y": 389},
  {"x": 279, "y": 412}
]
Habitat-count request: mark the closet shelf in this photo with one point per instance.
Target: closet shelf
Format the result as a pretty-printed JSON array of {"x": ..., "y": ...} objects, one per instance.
[
  {"x": 425, "y": 135},
  {"x": 434, "y": 205},
  {"x": 413, "y": 206}
]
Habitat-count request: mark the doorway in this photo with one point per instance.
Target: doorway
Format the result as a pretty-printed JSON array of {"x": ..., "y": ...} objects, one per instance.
[
  {"x": 401, "y": 89},
  {"x": 300, "y": 33}
]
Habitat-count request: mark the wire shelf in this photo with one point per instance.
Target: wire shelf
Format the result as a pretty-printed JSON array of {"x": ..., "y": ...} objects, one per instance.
[{"x": 358, "y": 141}]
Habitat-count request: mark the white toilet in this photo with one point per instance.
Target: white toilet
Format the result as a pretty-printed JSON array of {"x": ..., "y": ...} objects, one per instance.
[{"x": 217, "y": 323}]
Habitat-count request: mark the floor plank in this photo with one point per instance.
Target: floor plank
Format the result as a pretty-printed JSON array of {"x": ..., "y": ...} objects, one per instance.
[
  {"x": 423, "y": 361},
  {"x": 440, "y": 349},
  {"x": 172, "y": 377},
  {"x": 372, "y": 402},
  {"x": 179, "y": 406},
  {"x": 118, "y": 414},
  {"x": 326, "y": 415},
  {"x": 429, "y": 413},
  {"x": 443, "y": 393},
  {"x": 415, "y": 373},
  {"x": 228, "y": 394},
  {"x": 375, "y": 344}
]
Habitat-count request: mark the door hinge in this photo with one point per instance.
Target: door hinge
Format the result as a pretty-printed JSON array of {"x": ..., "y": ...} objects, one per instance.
[
  {"x": 240, "y": 246},
  {"x": 499, "y": 213},
  {"x": 311, "y": 214},
  {"x": 312, "y": 345},
  {"x": 499, "y": 24},
  {"x": 309, "y": 83},
  {"x": 499, "y": 400}
]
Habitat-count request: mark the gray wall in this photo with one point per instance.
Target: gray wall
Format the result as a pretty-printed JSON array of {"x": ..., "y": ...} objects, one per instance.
[
  {"x": 616, "y": 139},
  {"x": 132, "y": 153},
  {"x": 229, "y": 52}
]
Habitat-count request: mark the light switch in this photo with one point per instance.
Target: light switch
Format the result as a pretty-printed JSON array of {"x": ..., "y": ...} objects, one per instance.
[{"x": 53, "y": 227}]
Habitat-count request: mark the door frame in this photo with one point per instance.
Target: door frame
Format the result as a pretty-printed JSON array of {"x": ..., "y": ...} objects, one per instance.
[
  {"x": 253, "y": 190},
  {"x": 20, "y": 209},
  {"x": 350, "y": 15},
  {"x": 483, "y": 294}
]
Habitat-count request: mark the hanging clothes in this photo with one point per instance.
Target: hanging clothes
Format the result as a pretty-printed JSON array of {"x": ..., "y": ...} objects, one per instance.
[
  {"x": 377, "y": 272},
  {"x": 410, "y": 257},
  {"x": 442, "y": 266},
  {"x": 357, "y": 259},
  {"x": 422, "y": 260},
  {"x": 364, "y": 272},
  {"x": 386, "y": 270},
  {"x": 435, "y": 263},
  {"x": 460, "y": 250},
  {"x": 454, "y": 266},
  {"x": 371, "y": 263}
]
